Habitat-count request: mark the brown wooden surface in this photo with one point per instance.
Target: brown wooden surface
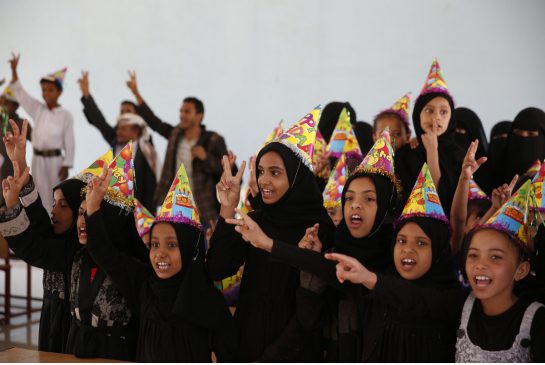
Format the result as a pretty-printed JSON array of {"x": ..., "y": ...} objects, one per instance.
[{"x": 23, "y": 355}]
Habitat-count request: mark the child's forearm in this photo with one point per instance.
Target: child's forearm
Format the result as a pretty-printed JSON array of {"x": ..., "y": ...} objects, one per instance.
[{"x": 458, "y": 212}]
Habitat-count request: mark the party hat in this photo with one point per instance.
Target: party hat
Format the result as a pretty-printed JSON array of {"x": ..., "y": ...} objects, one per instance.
[
  {"x": 121, "y": 187},
  {"x": 534, "y": 169},
  {"x": 424, "y": 201},
  {"x": 401, "y": 108},
  {"x": 380, "y": 159},
  {"x": 475, "y": 192},
  {"x": 537, "y": 187},
  {"x": 95, "y": 169},
  {"x": 276, "y": 132},
  {"x": 301, "y": 136},
  {"x": 343, "y": 139},
  {"x": 512, "y": 217},
  {"x": 179, "y": 205},
  {"x": 334, "y": 188},
  {"x": 9, "y": 95},
  {"x": 144, "y": 219},
  {"x": 56, "y": 77},
  {"x": 435, "y": 82},
  {"x": 320, "y": 146}
]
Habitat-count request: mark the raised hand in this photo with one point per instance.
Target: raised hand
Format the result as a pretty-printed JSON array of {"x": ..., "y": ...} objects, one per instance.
[
  {"x": 132, "y": 84},
  {"x": 13, "y": 62},
  {"x": 251, "y": 232},
  {"x": 96, "y": 189},
  {"x": 348, "y": 268},
  {"x": 84, "y": 83},
  {"x": 12, "y": 185},
  {"x": 15, "y": 143},
  {"x": 429, "y": 139},
  {"x": 470, "y": 165},
  {"x": 252, "y": 181},
  {"x": 502, "y": 193},
  {"x": 229, "y": 188},
  {"x": 310, "y": 240}
]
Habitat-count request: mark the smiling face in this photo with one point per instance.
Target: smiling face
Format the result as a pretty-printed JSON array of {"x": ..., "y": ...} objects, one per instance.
[
  {"x": 165, "y": 254},
  {"x": 360, "y": 206},
  {"x": 493, "y": 265},
  {"x": 412, "y": 252},
  {"x": 82, "y": 228},
  {"x": 61, "y": 214},
  {"x": 272, "y": 177},
  {"x": 436, "y": 112}
]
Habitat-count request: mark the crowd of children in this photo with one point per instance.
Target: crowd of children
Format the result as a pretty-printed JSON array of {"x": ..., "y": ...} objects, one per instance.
[{"x": 348, "y": 243}]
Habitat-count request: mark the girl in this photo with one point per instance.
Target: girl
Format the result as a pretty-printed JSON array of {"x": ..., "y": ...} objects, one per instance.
[
  {"x": 492, "y": 174},
  {"x": 182, "y": 317},
  {"x": 435, "y": 127},
  {"x": 496, "y": 324},
  {"x": 102, "y": 325},
  {"x": 367, "y": 200},
  {"x": 396, "y": 118},
  {"x": 468, "y": 128},
  {"x": 289, "y": 201},
  {"x": 410, "y": 315}
]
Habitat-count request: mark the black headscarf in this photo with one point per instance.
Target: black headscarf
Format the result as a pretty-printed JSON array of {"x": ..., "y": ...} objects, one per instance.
[
  {"x": 71, "y": 189},
  {"x": 521, "y": 152},
  {"x": 498, "y": 142},
  {"x": 372, "y": 250},
  {"x": 470, "y": 122},
  {"x": 408, "y": 161},
  {"x": 303, "y": 202},
  {"x": 330, "y": 117},
  {"x": 490, "y": 175},
  {"x": 441, "y": 274},
  {"x": 364, "y": 135}
]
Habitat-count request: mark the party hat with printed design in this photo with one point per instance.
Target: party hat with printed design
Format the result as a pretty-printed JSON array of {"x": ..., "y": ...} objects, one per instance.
[
  {"x": 301, "y": 136},
  {"x": 334, "y": 188},
  {"x": 537, "y": 188},
  {"x": 320, "y": 146},
  {"x": 121, "y": 187},
  {"x": 380, "y": 159},
  {"x": 179, "y": 205},
  {"x": 401, "y": 108},
  {"x": 475, "y": 192},
  {"x": 435, "y": 83},
  {"x": 56, "y": 77},
  {"x": 343, "y": 139},
  {"x": 512, "y": 217},
  {"x": 534, "y": 169},
  {"x": 276, "y": 132},
  {"x": 144, "y": 219},
  {"x": 424, "y": 200},
  {"x": 95, "y": 169}
]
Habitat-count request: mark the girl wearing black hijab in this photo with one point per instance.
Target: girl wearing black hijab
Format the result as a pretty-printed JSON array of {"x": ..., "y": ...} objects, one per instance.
[
  {"x": 435, "y": 127},
  {"x": 182, "y": 316},
  {"x": 469, "y": 128},
  {"x": 525, "y": 143},
  {"x": 491, "y": 175},
  {"x": 101, "y": 323},
  {"x": 289, "y": 202},
  {"x": 330, "y": 117},
  {"x": 411, "y": 313},
  {"x": 368, "y": 199}
]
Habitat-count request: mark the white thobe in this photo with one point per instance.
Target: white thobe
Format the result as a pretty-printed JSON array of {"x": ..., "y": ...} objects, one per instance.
[{"x": 52, "y": 130}]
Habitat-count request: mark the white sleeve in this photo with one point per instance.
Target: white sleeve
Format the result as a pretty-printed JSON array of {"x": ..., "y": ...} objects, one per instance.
[
  {"x": 32, "y": 106},
  {"x": 68, "y": 141}
]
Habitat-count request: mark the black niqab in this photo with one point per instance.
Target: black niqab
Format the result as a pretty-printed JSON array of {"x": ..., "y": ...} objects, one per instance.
[{"x": 470, "y": 122}]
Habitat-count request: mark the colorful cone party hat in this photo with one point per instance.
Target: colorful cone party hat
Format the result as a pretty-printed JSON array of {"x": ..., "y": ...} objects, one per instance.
[
  {"x": 334, "y": 188},
  {"x": 435, "y": 83},
  {"x": 277, "y": 131},
  {"x": 57, "y": 77},
  {"x": 424, "y": 201},
  {"x": 319, "y": 150},
  {"x": 301, "y": 136},
  {"x": 121, "y": 187},
  {"x": 534, "y": 169},
  {"x": 380, "y": 159},
  {"x": 401, "y": 107},
  {"x": 512, "y": 217},
  {"x": 144, "y": 219},
  {"x": 537, "y": 188},
  {"x": 343, "y": 139},
  {"x": 179, "y": 205},
  {"x": 475, "y": 192},
  {"x": 95, "y": 169},
  {"x": 9, "y": 95}
]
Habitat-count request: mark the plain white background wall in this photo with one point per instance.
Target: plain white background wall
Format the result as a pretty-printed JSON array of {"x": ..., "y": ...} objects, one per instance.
[{"x": 255, "y": 62}]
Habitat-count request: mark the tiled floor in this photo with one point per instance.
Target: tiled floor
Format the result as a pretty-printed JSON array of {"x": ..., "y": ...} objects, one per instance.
[{"x": 23, "y": 331}]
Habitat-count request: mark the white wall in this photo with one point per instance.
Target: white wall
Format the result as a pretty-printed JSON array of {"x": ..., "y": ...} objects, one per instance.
[{"x": 255, "y": 62}]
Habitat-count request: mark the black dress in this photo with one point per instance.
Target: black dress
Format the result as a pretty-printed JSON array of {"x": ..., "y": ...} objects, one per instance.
[
  {"x": 181, "y": 319},
  {"x": 268, "y": 288}
]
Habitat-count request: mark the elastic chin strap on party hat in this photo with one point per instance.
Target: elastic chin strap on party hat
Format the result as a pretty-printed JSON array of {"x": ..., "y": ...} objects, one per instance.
[{"x": 196, "y": 249}]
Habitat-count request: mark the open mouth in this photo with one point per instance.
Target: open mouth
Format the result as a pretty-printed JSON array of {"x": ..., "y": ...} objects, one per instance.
[
  {"x": 266, "y": 193},
  {"x": 162, "y": 266},
  {"x": 355, "y": 220},
  {"x": 82, "y": 232},
  {"x": 408, "y": 263},
  {"x": 482, "y": 281}
]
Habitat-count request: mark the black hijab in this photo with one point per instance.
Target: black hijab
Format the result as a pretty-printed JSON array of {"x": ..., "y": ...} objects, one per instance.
[
  {"x": 470, "y": 122},
  {"x": 303, "y": 202},
  {"x": 372, "y": 250},
  {"x": 521, "y": 152},
  {"x": 71, "y": 189},
  {"x": 497, "y": 140},
  {"x": 364, "y": 135},
  {"x": 330, "y": 117},
  {"x": 441, "y": 274}
]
